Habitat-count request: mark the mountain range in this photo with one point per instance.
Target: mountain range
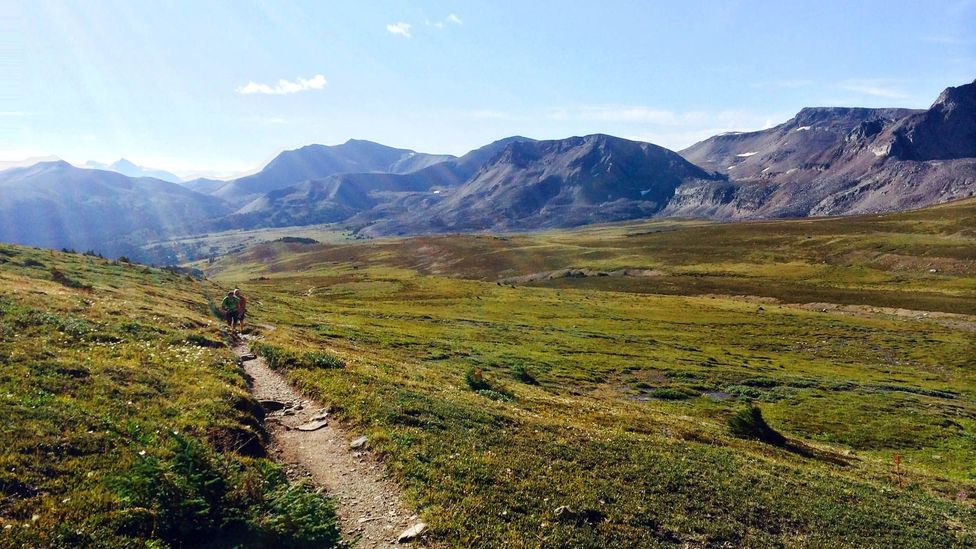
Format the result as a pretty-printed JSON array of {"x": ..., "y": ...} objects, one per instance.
[
  {"x": 126, "y": 167},
  {"x": 823, "y": 161}
]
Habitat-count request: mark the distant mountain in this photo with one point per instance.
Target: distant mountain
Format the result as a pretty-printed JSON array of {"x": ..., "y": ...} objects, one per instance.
[
  {"x": 559, "y": 183},
  {"x": 839, "y": 161},
  {"x": 371, "y": 195},
  {"x": 55, "y": 205},
  {"x": 320, "y": 161},
  {"x": 805, "y": 143},
  {"x": 126, "y": 167},
  {"x": 204, "y": 185},
  {"x": 944, "y": 132},
  {"x": 7, "y": 164}
]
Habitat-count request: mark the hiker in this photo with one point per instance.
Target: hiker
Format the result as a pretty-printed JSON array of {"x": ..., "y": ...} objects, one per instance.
[
  {"x": 229, "y": 307},
  {"x": 241, "y": 308}
]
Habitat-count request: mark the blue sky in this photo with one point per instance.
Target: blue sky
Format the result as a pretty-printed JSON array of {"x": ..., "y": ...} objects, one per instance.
[{"x": 223, "y": 86}]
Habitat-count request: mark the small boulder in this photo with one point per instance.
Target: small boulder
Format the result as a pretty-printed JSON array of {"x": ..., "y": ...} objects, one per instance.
[
  {"x": 314, "y": 425},
  {"x": 411, "y": 533},
  {"x": 359, "y": 442}
]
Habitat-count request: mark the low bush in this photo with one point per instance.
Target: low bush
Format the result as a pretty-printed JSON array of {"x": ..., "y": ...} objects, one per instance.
[
  {"x": 668, "y": 394},
  {"x": 750, "y": 423},
  {"x": 201, "y": 340},
  {"x": 67, "y": 281},
  {"x": 476, "y": 381},
  {"x": 319, "y": 359},
  {"x": 280, "y": 358},
  {"x": 191, "y": 495},
  {"x": 520, "y": 373}
]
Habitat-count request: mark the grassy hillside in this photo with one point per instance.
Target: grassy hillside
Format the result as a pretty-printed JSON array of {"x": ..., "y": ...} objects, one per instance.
[
  {"x": 127, "y": 422},
  {"x": 568, "y": 412}
]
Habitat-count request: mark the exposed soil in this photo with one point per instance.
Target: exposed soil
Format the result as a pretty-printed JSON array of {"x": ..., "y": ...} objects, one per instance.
[{"x": 368, "y": 504}]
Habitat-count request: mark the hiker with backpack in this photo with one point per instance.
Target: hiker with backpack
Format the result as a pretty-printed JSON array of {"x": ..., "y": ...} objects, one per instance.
[
  {"x": 229, "y": 307},
  {"x": 241, "y": 308}
]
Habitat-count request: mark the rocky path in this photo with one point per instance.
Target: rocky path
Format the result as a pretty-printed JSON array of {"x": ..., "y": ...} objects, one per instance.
[{"x": 310, "y": 443}]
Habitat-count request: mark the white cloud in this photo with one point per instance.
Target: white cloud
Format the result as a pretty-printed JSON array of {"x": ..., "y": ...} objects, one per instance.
[
  {"x": 874, "y": 88},
  {"x": 401, "y": 28},
  {"x": 11, "y": 113},
  {"x": 283, "y": 86},
  {"x": 452, "y": 19}
]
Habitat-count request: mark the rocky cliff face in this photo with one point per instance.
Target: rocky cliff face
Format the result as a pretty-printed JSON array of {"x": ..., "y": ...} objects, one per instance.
[{"x": 836, "y": 161}]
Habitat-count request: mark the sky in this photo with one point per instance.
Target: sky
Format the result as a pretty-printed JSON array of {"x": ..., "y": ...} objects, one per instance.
[{"x": 220, "y": 87}]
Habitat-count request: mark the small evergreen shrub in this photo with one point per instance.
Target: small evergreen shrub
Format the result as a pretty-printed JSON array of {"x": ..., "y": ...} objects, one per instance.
[
  {"x": 520, "y": 373},
  {"x": 67, "y": 281},
  {"x": 476, "y": 381},
  {"x": 193, "y": 496},
  {"x": 668, "y": 394},
  {"x": 320, "y": 359},
  {"x": 279, "y": 358},
  {"x": 201, "y": 340},
  {"x": 750, "y": 423},
  {"x": 496, "y": 395}
]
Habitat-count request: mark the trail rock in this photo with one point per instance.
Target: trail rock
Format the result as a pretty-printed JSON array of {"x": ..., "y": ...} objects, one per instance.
[
  {"x": 271, "y": 405},
  {"x": 313, "y": 425},
  {"x": 411, "y": 533},
  {"x": 359, "y": 442}
]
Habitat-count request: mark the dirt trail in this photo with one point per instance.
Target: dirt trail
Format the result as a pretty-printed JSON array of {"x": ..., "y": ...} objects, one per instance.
[{"x": 368, "y": 505}]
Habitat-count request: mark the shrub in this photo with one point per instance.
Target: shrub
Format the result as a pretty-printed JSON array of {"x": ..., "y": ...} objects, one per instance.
[
  {"x": 762, "y": 382},
  {"x": 668, "y": 394},
  {"x": 749, "y": 423},
  {"x": 476, "y": 380},
  {"x": 197, "y": 497},
  {"x": 279, "y": 358},
  {"x": 496, "y": 395},
  {"x": 201, "y": 340},
  {"x": 319, "y": 359},
  {"x": 520, "y": 373},
  {"x": 66, "y": 281},
  {"x": 276, "y": 357}
]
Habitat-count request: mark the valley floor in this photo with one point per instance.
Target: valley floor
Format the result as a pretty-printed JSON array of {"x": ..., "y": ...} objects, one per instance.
[
  {"x": 570, "y": 388},
  {"x": 594, "y": 410}
]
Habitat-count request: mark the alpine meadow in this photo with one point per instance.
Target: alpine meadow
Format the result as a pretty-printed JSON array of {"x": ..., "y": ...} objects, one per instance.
[{"x": 627, "y": 275}]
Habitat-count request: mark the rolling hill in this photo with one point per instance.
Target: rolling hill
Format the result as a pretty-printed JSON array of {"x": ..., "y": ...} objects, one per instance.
[{"x": 56, "y": 205}]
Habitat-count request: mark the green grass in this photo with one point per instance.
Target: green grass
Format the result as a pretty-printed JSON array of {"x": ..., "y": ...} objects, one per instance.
[
  {"x": 127, "y": 420},
  {"x": 603, "y": 429}
]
